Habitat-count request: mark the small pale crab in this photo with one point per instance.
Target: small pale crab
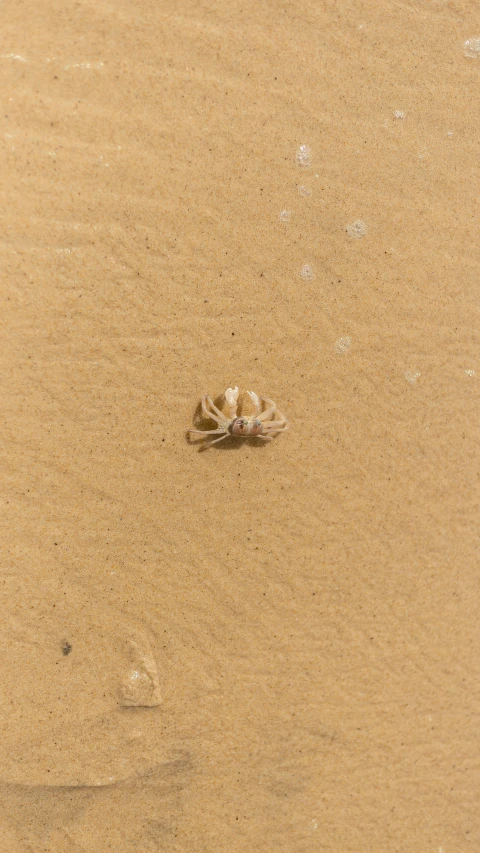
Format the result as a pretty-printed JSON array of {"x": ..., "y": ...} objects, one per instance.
[{"x": 265, "y": 422}]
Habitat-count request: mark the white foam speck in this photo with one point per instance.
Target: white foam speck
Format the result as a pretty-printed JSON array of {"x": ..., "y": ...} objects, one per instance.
[
  {"x": 411, "y": 376},
  {"x": 343, "y": 344},
  {"x": 304, "y": 191},
  {"x": 471, "y": 48},
  {"x": 399, "y": 114},
  {"x": 15, "y": 56},
  {"x": 307, "y": 272},
  {"x": 470, "y": 372},
  {"x": 285, "y": 216},
  {"x": 85, "y": 65},
  {"x": 304, "y": 156},
  {"x": 357, "y": 229}
]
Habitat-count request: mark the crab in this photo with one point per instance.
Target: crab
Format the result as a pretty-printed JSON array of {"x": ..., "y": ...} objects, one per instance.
[{"x": 259, "y": 425}]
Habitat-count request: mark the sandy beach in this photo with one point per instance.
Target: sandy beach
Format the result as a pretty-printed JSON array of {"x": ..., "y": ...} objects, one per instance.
[{"x": 262, "y": 647}]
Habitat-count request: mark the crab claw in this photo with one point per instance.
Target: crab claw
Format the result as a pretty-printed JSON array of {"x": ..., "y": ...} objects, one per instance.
[
  {"x": 231, "y": 396},
  {"x": 255, "y": 400}
]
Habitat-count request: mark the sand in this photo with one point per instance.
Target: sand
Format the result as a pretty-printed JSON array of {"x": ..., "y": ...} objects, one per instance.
[{"x": 259, "y": 647}]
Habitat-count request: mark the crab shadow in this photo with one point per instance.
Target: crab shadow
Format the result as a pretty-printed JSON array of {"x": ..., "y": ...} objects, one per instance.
[{"x": 230, "y": 442}]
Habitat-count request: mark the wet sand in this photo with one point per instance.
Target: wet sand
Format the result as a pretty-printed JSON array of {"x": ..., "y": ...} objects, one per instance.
[{"x": 259, "y": 647}]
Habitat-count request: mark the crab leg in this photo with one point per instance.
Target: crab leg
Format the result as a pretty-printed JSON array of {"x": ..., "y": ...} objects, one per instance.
[
  {"x": 271, "y": 407},
  {"x": 279, "y": 417},
  {"x": 207, "y": 431},
  {"x": 275, "y": 429},
  {"x": 276, "y": 424},
  {"x": 217, "y": 439},
  {"x": 216, "y": 414}
]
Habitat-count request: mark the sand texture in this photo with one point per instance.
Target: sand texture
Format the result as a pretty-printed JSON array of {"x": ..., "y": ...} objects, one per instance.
[{"x": 264, "y": 647}]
